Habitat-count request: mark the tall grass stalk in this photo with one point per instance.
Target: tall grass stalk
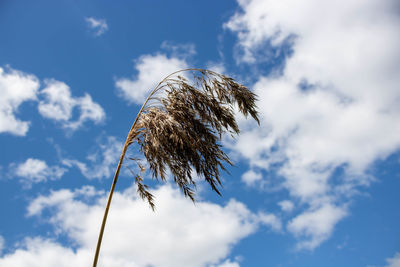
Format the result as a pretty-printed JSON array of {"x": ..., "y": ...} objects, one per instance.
[{"x": 179, "y": 127}]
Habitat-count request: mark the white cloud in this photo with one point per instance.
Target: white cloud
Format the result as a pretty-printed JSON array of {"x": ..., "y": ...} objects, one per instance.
[
  {"x": 316, "y": 225},
  {"x": 15, "y": 88},
  {"x": 394, "y": 262},
  {"x": 35, "y": 171},
  {"x": 177, "y": 50},
  {"x": 218, "y": 67},
  {"x": 251, "y": 177},
  {"x": 227, "y": 263},
  {"x": 39, "y": 252},
  {"x": 101, "y": 162},
  {"x": 58, "y": 105},
  {"x": 336, "y": 105},
  {"x": 99, "y": 26},
  {"x": 1, "y": 244},
  {"x": 177, "y": 234},
  {"x": 270, "y": 220},
  {"x": 286, "y": 205},
  {"x": 151, "y": 70}
]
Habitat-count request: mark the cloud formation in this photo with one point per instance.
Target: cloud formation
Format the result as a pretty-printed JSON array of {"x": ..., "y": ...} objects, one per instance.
[
  {"x": 151, "y": 70},
  {"x": 54, "y": 102},
  {"x": 58, "y": 105},
  {"x": 251, "y": 177},
  {"x": 16, "y": 87},
  {"x": 1, "y": 244},
  {"x": 227, "y": 263},
  {"x": 35, "y": 171},
  {"x": 334, "y": 108},
  {"x": 101, "y": 162},
  {"x": 286, "y": 205},
  {"x": 178, "y": 234},
  {"x": 99, "y": 26},
  {"x": 394, "y": 261},
  {"x": 316, "y": 223}
]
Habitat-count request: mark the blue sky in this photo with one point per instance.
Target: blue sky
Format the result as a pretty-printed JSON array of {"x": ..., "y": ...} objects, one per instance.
[{"x": 316, "y": 184}]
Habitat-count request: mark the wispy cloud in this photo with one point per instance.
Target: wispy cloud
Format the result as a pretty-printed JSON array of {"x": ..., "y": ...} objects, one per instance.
[
  {"x": 395, "y": 261},
  {"x": 179, "y": 50},
  {"x": 99, "y": 26},
  {"x": 316, "y": 225},
  {"x": 286, "y": 205},
  {"x": 1, "y": 244},
  {"x": 35, "y": 171},
  {"x": 101, "y": 162}
]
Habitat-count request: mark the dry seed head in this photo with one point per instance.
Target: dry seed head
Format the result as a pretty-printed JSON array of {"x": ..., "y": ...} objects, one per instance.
[{"x": 182, "y": 130}]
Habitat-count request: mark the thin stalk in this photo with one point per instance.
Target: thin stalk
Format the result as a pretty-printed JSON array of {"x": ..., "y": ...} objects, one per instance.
[
  {"x": 110, "y": 195},
  {"x": 121, "y": 159}
]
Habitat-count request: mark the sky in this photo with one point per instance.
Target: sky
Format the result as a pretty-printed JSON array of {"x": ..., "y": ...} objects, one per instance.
[{"x": 316, "y": 184}]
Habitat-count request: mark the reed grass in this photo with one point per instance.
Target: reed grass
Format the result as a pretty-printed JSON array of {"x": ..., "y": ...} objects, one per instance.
[{"x": 179, "y": 128}]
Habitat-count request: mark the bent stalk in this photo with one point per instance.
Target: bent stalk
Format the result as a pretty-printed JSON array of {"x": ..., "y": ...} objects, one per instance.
[
  {"x": 194, "y": 122},
  {"x": 121, "y": 159}
]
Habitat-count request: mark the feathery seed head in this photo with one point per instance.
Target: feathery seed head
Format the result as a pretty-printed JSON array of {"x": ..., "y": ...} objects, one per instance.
[{"x": 181, "y": 131}]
